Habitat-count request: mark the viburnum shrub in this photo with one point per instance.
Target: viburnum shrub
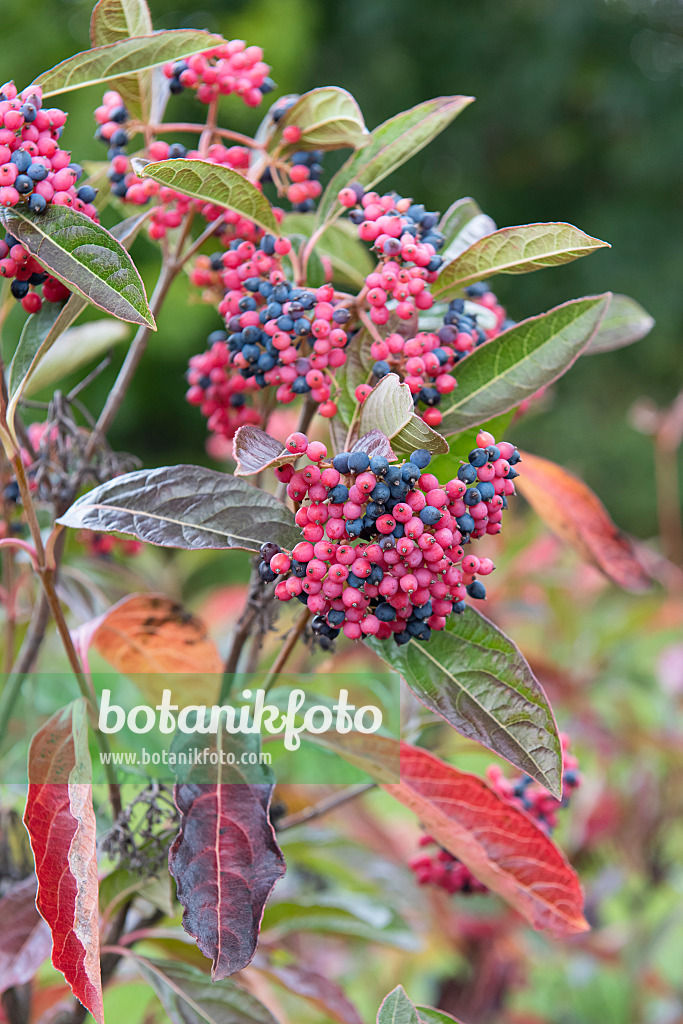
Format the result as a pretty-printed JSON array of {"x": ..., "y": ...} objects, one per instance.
[{"x": 367, "y": 377}]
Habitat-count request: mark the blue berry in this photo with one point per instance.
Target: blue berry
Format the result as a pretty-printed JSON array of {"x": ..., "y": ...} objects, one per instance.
[
  {"x": 472, "y": 497},
  {"x": 339, "y": 494},
  {"x": 465, "y": 523},
  {"x": 430, "y": 515},
  {"x": 421, "y": 458},
  {"x": 341, "y": 462},
  {"x": 358, "y": 462},
  {"x": 478, "y": 457},
  {"x": 476, "y": 590},
  {"x": 467, "y": 474},
  {"x": 381, "y": 368}
]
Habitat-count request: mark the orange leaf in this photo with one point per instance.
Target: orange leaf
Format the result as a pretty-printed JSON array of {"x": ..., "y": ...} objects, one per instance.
[
  {"x": 60, "y": 821},
  {"x": 577, "y": 516},
  {"x": 501, "y": 845},
  {"x": 147, "y": 636}
]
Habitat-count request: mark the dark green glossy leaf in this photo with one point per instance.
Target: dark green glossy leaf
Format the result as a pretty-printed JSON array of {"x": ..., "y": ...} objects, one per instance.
[
  {"x": 499, "y": 375},
  {"x": 329, "y": 118},
  {"x": 515, "y": 250},
  {"x": 214, "y": 183},
  {"x": 185, "y": 507},
  {"x": 389, "y": 146},
  {"x": 474, "y": 676},
  {"x": 125, "y": 57},
  {"x": 85, "y": 257}
]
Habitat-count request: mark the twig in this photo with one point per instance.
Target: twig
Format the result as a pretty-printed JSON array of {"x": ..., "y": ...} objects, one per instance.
[
  {"x": 289, "y": 646},
  {"x": 324, "y": 807},
  {"x": 197, "y": 129}
]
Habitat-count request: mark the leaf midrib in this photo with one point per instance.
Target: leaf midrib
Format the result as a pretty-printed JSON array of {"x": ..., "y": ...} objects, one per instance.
[
  {"x": 528, "y": 353},
  {"x": 422, "y": 649}
]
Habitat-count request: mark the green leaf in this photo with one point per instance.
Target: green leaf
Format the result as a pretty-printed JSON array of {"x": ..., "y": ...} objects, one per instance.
[
  {"x": 189, "y": 997},
  {"x": 112, "y": 21},
  {"x": 185, "y": 507},
  {"x": 389, "y": 146},
  {"x": 389, "y": 407},
  {"x": 418, "y": 434},
  {"x": 499, "y": 375},
  {"x": 350, "y": 259},
  {"x": 429, "y": 1015},
  {"x": 462, "y": 224},
  {"x": 516, "y": 250},
  {"x": 85, "y": 257},
  {"x": 329, "y": 118},
  {"x": 356, "y": 916},
  {"x": 125, "y": 57},
  {"x": 474, "y": 676},
  {"x": 73, "y": 349},
  {"x": 624, "y": 322},
  {"x": 41, "y": 331},
  {"x": 397, "y": 1008},
  {"x": 213, "y": 183}
]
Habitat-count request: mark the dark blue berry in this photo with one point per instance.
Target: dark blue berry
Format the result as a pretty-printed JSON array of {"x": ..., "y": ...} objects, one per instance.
[
  {"x": 176, "y": 151},
  {"x": 384, "y": 612},
  {"x": 339, "y": 494},
  {"x": 467, "y": 474},
  {"x": 341, "y": 463},
  {"x": 465, "y": 523},
  {"x": 486, "y": 490},
  {"x": 379, "y": 465},
  {"x": 422, "y": 457},
  {"x": 410, "y": 473},
  {"x": 478, "y": 457},
  {"x": 354, "y": 527},
  {"x": 37, "y": 172},
  {"x": 381, "y": 368},
  {"x": 472, "y": 496},
  {"x": 476, "y": 590},
  {"x": 493, "y": 452},
  {"x": 23, "y": 184},
  {"x": 21, "y": 160},
  {"x": 430, "y": 515},
  {"x": 358, "y": 462},
  {"x": 335, "y": 618}
]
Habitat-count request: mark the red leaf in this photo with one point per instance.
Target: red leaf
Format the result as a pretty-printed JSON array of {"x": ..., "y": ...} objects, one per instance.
[
  {"x": 502, "y": 846},
  {"x": 60, "y": 821},
  {"x": 25, "y": 945},
  {"x": 577, "y": 515},
  {"x": 226, "y": 861}
]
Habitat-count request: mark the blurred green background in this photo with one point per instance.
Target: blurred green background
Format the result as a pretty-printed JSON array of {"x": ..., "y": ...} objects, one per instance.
[{"x": 578, "y": 118}]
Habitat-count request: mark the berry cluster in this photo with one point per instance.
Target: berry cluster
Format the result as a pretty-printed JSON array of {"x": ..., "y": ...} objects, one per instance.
[
  {"x": 440, "y": 868},
  {"x": 112, "y": 119},
  {"x": 383, "y": 546},
  {"x": 34, "y": 170},
  {"x": 277, "y": 334},
  {"x": 405, "y": 237},
  {"x": 231, "y": 68},
  {"x": 303, "y": 168},
  {"x": 426, "y": 362},
  {"x": 35, "y": 173}
]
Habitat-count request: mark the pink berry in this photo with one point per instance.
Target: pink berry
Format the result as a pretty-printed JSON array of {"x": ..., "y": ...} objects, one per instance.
[{"x": 297, "y": 443}]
